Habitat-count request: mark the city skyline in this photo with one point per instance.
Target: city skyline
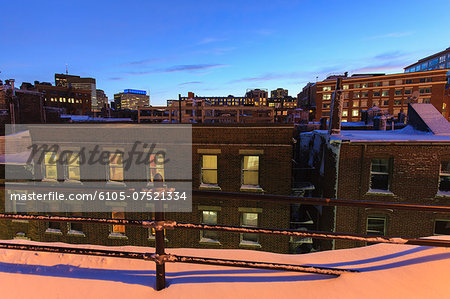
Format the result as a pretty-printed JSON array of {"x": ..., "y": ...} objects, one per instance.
[{"x": 214, "y": 48}]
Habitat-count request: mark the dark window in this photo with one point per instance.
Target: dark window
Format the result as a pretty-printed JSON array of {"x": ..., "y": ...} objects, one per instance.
[
  {"x": 442, "y": 227},
  {"x": 376, "y": 225},
  {"x": 444, "y": 177},
  {"x": 379, "y": 174}
]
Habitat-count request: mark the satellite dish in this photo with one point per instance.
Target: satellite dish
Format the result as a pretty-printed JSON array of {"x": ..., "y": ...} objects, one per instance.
[{"x": 414, "y": 97}]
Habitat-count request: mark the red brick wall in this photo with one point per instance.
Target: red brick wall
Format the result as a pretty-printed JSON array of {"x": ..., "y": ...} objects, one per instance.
[{"x": 415, "y": 177}]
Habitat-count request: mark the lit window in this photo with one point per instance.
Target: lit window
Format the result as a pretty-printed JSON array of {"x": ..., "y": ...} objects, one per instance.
[
  {"x": 442, "y": 227},
  {"x": 379, "y": 174},
  {"x": 364, "y": 85},
  {"x": 355, "y": 103},
  {"x": 376, "y": 225},
  {"x": 156, "y": 166},
  {"x": 118, "y": 229},
  {"x": 385, "y": 93},
  {"x": 326, "y": 96},
  {"x": 345, "y": 86},
  {"x": 344, "y": 113},
  {"x": 50, "y": 166},
  {"x": 356, "y": 95},
  {"x": 209, "y": 169},
  {"x": 249, "y": 220},
  {"x": 209, "y": 217},
  {"x": 357, "y": 86},
  {"x": 355, "y": 112},
  {"x": 444, "y": 177},
  {"x": 326, "y": 88},
  {"x": 116, "y": 167},
  {"x": 250, "y": 170},
  {"x": 72, "y": 166}
]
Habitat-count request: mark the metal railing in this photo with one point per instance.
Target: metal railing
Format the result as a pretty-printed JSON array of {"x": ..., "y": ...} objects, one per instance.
[{"x": 160, "y": 257}]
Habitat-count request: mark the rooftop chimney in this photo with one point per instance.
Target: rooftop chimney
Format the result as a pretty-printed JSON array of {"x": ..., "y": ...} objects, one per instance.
[{"x": 337, "y": 104}]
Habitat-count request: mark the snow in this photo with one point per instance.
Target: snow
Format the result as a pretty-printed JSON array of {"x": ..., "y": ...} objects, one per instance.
[
  {"x": 387, "y": 271},
  {"x": 407, "y": 134}
]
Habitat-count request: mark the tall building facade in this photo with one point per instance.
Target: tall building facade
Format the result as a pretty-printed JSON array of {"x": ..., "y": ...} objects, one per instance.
[
  {"x": 78, "y": 82},
  {"x": 131, "y": 99},
  {"x": 279, "y": 93},
  {"x": 102, "y": 99},
  {"x": 440, "y": 60},
  {"x": 258, "y": 96},
  {"x": 69, "y": 99},
  {"x": 390, "y": 92}
]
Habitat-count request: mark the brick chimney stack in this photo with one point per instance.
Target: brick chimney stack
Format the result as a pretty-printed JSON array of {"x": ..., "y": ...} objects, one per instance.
[{"x": 337, "y": 104}]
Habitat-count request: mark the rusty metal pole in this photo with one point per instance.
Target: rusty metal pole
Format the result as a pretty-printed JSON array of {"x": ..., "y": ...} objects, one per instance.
[{"x": 159, "y": 237}]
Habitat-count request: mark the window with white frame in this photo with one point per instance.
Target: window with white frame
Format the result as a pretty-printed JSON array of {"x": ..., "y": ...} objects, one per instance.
[
  {"x": 209, "y": 170},
  {"x": 326, "y": 88},
  {"x": 379, "y": 174},
  {"x": 444, "y": 177},
  {"x": 376, "y": 225},
  {"x": 156, "y": 166},
  {"x": 72, "y": 166},
  {"x": 250, "y": 170},
  {"x": 115, "y": 167},
  {"x": 209, "y": 236},
  {"x": 249, "y": 219},
  {"x": 50, "y": 167}
]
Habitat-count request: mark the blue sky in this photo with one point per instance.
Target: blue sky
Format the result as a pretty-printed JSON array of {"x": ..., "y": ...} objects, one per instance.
[{"x": 215, "y": 47}]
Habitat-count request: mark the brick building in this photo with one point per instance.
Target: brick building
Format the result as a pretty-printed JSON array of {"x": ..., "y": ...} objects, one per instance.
[
  {"x": 20, "y": 106},
  {"x": 390, "y": 92},
  {"x": 411, "y": 165},
  {"x": 228, "y": 158},
  {"x": 70, "y": 100}
]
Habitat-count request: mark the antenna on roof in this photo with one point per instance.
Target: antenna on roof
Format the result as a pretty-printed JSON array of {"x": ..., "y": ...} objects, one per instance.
[{"x": 67, "y": 70}]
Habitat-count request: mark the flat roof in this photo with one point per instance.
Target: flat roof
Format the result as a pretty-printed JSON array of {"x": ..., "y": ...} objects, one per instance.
[{"x": 407, "y": 134}]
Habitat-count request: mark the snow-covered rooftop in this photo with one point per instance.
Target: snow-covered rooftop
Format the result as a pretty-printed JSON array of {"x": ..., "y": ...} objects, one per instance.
[
  {"x": 386, "y": 271},
  {"x": 430, "y": 116}
]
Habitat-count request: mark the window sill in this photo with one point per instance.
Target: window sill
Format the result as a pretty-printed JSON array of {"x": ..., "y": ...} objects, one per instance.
[
  {"x": 249, "y": 244},
  {"x": 207, "y": 241},
  {"x": 251, "y": 188},
  {"x": 19, "y": 221},
  {"x": 443, "y": 194},
  {"x": 73, "y": 182},
  {"x": 53, "y": 231},
  {"x": 115, "y": 184},
  {"x": 117, "y": 236},
  {"x": 211, "y": 187},
  {"x": 75, "y": 233},
  {"x": 379, "y": 192}
]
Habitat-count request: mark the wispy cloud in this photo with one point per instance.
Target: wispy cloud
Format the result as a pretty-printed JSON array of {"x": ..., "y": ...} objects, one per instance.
[
  {"x": 390, "y": 55},
  {"x": 270, "y": 77},
  {"x": 217, "y": 51},
  {"x": 191, "y": 67},
  {"x": 115, "y": 78},
  {"x": 380, "y": 67},
  {"x": 209, "y": 40},
  {"x": 389, "y": 35},
  {"x": 190, "y": 83},
  {"x": 265, "y": 31}
]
